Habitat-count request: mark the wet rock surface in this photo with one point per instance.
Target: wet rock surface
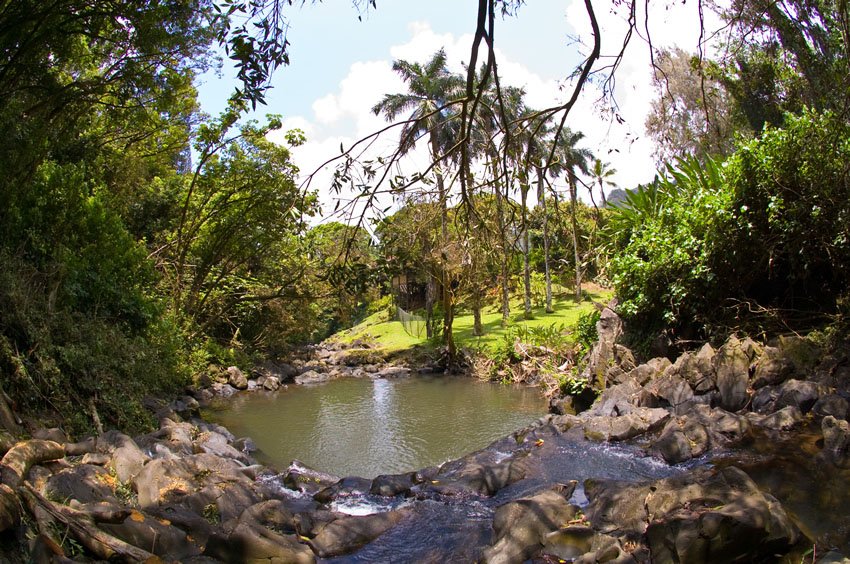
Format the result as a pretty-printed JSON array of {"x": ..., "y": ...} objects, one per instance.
[{"x": 623, "y": 481}]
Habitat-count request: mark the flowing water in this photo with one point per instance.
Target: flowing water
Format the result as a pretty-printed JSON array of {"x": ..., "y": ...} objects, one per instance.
[
  {"x": 365, "y": 427},
  {"x": 368, "y": 427}
]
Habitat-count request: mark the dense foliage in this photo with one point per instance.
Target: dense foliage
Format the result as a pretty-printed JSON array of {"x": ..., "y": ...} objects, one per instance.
[{"x": 759, "y": 242}]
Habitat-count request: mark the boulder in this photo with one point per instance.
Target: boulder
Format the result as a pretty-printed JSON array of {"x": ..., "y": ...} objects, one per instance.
[
  {"x": 620, "y": 428},
  {"x": 698, "y": 370},
  {"x": 836, "y": 440},
  {"x": 237, "y": 378},
  {"x": 350, "y": 485},
  {"x": 609, "y": 328},
  {"x": 764, "y": 399},
  {"x": 247, "y": 543},
  {"x": 581, "y": 545},
  {"x": 271, "y": 383},
  {"x": 831, "y": 404},
  {"x": 617, "y": 400},
  {"x": 706, "y": 515},
  {"x": 346, "y": 534},
  {"x": 394, "y": 484},
  {"x": 648, "y": 370},
  {"x": 479, "y": 475},
  {"x": 164, "y": 481},
  {"x": 522, "y": 526},
  {"x": 127, "y": 458},
  {"x": 798, "y": 393},
  {"x": 312, "y": 377},
  {"x": 53, "y": 434},
  {"x": 782, "y": 420},
  {"x": 683, "y": 438},
  {"x": 671, "y": 390},
  {"x": 392, "y": 372},
  {"x": 731, "y": 364},
  {"x": 155, "y": 535},
  {"x": 85, "y": 483},
  {"x": 302, "y": 478},
  {"x": 224, "y": 390},
  {"x": 771, "y": 368},
  {"x": 217, "y": 444}
]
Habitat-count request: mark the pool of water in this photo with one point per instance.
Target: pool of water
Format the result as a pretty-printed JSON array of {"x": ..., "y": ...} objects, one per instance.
[{"x": 367, "y": 427}]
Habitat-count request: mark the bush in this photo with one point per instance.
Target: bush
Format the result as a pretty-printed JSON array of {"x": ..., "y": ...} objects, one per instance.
[
  {"x": 666, "y": 232},
  {"x": 761, "y": 243}
]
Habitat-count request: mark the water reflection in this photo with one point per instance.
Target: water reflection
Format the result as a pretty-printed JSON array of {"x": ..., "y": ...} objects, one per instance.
[{"x": 368, "y": 427}]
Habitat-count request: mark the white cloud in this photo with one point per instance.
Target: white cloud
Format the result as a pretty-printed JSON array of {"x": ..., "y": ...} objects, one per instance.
[{"x": 343, "y": 116}]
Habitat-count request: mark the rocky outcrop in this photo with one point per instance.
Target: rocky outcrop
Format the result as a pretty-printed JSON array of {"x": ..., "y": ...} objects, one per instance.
[
  {"x": 521, "y": 527},
  {"x": 700, "y": 517}
]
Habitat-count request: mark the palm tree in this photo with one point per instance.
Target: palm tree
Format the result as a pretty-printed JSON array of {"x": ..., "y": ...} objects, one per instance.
[
  {"x": 430, "y": 89},
  {"x": 571, "y": 160},
  {"x": 493, "y": 125},
  {"x": 601, "y": 173}
]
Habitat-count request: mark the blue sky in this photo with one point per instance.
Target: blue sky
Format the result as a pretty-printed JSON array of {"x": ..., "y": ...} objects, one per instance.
[{"x": 341, "y": 66}]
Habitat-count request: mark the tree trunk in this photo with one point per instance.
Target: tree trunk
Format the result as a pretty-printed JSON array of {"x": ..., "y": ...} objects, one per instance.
[
  {"x": 503, "y": 235},
  {"x": 577, "y": 257},
  {"x": 526, "y": 249},
  {"x": 21, "y": 457},
  {"x": 477, "y": 327},
  {"x": 101, "y": 544},
  {"x": 10, "y": 508},
  {"x": 541, "y": 197},
  {"x": 445, "y": 279}
]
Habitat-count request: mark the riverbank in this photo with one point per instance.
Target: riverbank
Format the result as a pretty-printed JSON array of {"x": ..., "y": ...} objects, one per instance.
[{"x": 681, "y": 461}]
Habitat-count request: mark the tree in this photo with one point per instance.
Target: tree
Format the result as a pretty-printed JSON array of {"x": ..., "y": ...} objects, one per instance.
[
  {"x": 692, "y": 112},
  {"x": 601, "y": 173},
  {"x": 571, "y": 160},
  {"x": 431, "y": 88}
]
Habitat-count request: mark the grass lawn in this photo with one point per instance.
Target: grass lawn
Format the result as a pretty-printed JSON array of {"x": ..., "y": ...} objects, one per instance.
[{"x": 390, "y": 336}]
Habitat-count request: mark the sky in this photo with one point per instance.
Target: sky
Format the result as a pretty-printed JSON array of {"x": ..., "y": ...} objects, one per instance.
[{"x": 341, "y": 66}]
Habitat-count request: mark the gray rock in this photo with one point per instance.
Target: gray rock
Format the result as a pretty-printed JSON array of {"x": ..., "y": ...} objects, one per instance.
[
  {"x": 53, "y": 434},
  {"x": 683, "y": 438},
  {"x": 671, "y": 390},
  {"x": 836, "y": 440},
  {"x": 347, "y": 534},
  {"x": 782, "y": 420},
  {"x": 731, "y": 364},
  {"x": 798, "y": 393},
  {"x": 700, "y": 517},
  {"x": 831, "y": 404},
  {"x": 617, "y": 400},
  {"x": 522, "y": 526},
  {"x": 85, "y": 483},
  {"x": 394, "y": 484},
  {"x": 698, "y": 369},
  {"x": 162, "y": 539},
  {"x": 271, "y": 383},
  {"x": 163, "y": 481},
  {"x": 247, "y": 543},
  {"x": 214, "y": 443},
  {"x": 127, "y": 458},
  {"x": 312, "y": 377},
  {"x": 648, "y": 370},
  {"x": 302, "y": 478},
  {"x": 224, "y": 390},
  {"x": 764, "y": 399},
  {"x": 638, "y": 421},
  {"x": 236, "y": 378},
  {"x": 771, "y": 368}
]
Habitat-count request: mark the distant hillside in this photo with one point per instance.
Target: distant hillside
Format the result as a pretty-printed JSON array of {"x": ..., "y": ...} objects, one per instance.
[{"x": 616, "y": 196}]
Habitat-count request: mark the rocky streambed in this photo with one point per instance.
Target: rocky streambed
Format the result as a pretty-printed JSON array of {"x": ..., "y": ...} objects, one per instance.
[{"x": 686, "y": 461}]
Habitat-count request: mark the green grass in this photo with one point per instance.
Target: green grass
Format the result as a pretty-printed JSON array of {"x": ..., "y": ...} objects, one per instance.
[{"x": 390, "y": 337}]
